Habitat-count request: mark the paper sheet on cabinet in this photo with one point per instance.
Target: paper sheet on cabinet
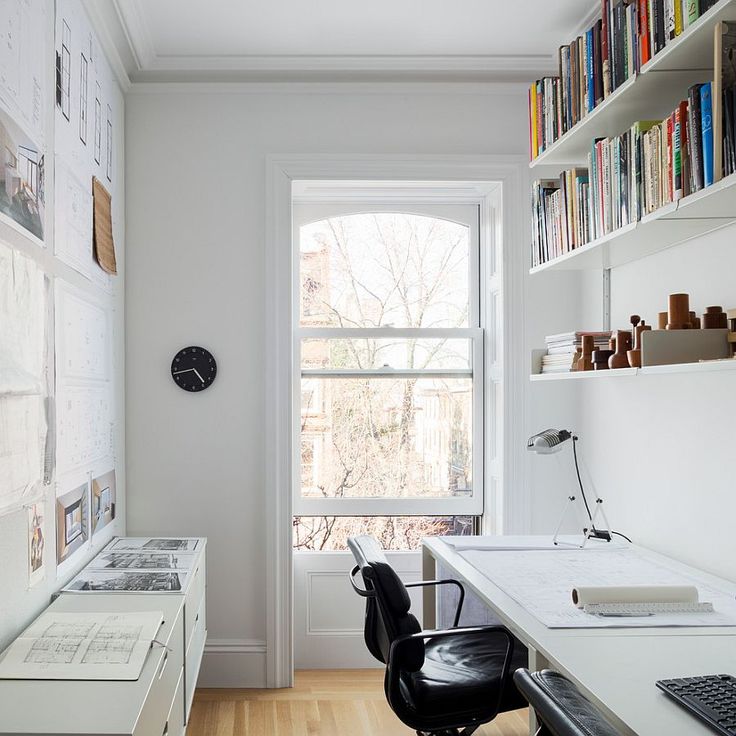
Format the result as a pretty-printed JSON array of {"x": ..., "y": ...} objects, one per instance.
[
  {"x": 74, "y": 646},
  {"x": 502, "y": 543},
  {"x": 542, "y": 583}
]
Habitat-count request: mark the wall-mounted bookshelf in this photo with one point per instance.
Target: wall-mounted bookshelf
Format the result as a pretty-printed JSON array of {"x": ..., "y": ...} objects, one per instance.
[
  {"x": 690, "y": 217},
  {"x": 650, "y": 93},
  {"x": 717, "y": 366}
]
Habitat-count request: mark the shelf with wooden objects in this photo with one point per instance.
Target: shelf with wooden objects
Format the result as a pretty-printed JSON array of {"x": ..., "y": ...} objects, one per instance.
[
  {"x": 711, "y": 366},
  {"x": 650, "y": 93},
  {"x": 697, "y": 214}
]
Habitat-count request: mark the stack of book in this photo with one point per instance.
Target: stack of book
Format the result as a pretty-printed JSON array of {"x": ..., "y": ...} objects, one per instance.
[
  {"x": 631, "y": 175},
  {"x": 627, "y": 35},
  {"x": 563, "y": 350}
]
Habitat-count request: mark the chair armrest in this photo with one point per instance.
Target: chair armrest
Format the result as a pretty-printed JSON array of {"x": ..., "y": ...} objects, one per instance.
[
  {"x": 393, "y": 669},
  {"x": 448, "y": 581},
  {"x": 360, "y": 591}
]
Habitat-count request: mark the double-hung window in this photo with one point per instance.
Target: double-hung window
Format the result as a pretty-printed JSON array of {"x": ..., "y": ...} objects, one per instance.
[{"x": 388, "y": 371}]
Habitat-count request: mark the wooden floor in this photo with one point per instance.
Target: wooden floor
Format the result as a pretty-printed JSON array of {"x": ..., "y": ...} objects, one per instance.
[{"x": 322, "y": 703}]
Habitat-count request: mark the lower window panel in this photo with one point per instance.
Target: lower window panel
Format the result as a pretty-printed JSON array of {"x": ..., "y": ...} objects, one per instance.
[{"x": 330, "y": 533}]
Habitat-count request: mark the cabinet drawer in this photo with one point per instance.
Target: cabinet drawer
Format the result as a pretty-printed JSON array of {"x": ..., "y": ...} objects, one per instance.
[
  {"x": 175, "y": 722},
  {"x": 194, "y": 597},
  {"x": 193, "y": 658},
  {"x": 170, "y": 663}
]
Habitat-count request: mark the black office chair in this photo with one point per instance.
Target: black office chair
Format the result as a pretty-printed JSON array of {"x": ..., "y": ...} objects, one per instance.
[
  {"x": 437, "y": 682},
  {"x": 560, "y": 707}
]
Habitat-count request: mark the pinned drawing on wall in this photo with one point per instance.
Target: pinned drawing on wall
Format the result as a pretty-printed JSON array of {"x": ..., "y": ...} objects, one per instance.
[
  {"x": 104, "y": 247},
  {"x": 103, "y": 501},
  {"x": 23, "y": 426},
  {"x": 36, "y": 544},
  {"x": 22, "y": 96},
  {"x": 72, "y": 527}
]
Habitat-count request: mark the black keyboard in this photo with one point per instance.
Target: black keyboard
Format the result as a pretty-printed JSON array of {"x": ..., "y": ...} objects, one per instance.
[{"x": 711, "y": 698}]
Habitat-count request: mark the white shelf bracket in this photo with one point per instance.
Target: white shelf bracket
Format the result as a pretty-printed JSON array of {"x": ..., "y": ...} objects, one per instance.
[{"x": 606, "y": 299}]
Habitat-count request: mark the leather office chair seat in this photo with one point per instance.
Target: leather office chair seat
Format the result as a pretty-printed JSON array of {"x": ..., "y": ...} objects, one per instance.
[
  {"x": 560, "y": 707},
  {"x": 447, "y": 681}
]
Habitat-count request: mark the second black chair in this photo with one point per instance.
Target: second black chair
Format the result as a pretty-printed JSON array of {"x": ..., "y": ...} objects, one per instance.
[
  {"x": 561, "y": 708},
  {"x": 437, "y": 682}
]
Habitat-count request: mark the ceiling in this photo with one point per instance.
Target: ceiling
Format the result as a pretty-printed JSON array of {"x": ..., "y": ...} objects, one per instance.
[{"x": 287, "y": 40}]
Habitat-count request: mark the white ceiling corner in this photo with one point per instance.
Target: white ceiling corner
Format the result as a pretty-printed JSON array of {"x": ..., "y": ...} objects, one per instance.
[{"x": 331, "y": 40}]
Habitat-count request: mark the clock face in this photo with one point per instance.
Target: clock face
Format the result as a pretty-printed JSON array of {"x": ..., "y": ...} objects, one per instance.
[{"x": 193, "y": 368}]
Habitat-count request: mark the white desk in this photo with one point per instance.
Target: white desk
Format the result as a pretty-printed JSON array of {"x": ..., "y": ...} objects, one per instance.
[{"x": 615, "y": 668}]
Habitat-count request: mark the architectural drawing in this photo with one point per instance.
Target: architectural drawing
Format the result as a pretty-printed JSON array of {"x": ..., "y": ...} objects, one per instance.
[
  {"x": 92, "y": 646},
  {"x": 142, "y": 561},
  {"x": 85, "y": 123},
  {"x": 163, "y": 544},
  {"x": 84, "y": 426},
  {"x": 72, "y": 523},
  {"x": 138, "y": 581}
]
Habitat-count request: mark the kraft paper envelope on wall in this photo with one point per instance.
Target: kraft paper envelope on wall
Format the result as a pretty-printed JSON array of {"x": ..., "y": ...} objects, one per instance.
[{"x": 104, "y": 247}]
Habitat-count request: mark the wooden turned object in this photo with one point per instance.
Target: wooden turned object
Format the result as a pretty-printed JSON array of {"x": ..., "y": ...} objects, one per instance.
[
  {"x": 678, "y": 314},
  {"x": 586, "y": 363},
  {"x": 623, "y": 344},
  {"x": 600, "y": 359},
  {"x": 662, "y": 318},
  {"x": 634, "y": 355},
  {"x": 714, "y": 319}
]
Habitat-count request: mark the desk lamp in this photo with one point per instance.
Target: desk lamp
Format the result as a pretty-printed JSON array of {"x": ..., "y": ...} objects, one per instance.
[{"x": 551, "y": 441}]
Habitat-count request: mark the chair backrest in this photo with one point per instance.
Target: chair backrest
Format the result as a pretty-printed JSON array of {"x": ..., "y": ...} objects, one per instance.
[
  {"x": 387, "y": 614},
  {"x": 560, "y": 706}
]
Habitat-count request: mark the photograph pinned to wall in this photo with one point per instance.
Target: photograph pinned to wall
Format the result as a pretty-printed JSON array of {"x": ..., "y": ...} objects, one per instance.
[
  {"x": 22, "y": 118},
  {"x": 139, "y": 581},
  {"x": 103, "y": 501},
  {"x": 72, "y": 526},
  {"x": 36, "y": 543},
  {"x": 22, "y": 178}
]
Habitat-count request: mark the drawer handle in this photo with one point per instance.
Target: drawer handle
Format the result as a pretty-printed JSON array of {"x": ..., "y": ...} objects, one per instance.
[
  {"x": 166, "y": 729},
  {"x": 163, "y": 665},
  {"x": 196, "y": 618}
]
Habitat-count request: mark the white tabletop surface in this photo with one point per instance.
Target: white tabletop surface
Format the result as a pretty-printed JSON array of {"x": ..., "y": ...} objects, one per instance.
[
  {"x": 615, "y": 668},
  {"x": 67, "y": 707}
]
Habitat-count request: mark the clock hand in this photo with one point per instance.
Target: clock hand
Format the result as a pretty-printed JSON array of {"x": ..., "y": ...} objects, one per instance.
[
  {"x": 198, "y": 376},
  {"x": 186, "y": 370}
]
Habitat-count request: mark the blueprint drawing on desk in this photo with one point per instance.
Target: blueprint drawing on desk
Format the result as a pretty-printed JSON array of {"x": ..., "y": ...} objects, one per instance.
[{"x": 542, "y": 582}]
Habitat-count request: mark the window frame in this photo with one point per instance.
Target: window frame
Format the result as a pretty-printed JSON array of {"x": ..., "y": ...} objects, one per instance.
[{"x": 468, "y": 214}]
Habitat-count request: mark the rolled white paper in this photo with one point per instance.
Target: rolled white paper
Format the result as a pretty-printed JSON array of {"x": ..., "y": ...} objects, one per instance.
[{"x": 582, "y": 595}]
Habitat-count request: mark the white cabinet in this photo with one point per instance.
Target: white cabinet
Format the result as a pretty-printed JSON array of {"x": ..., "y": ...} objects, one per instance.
[{"x": 157, "y": 704}]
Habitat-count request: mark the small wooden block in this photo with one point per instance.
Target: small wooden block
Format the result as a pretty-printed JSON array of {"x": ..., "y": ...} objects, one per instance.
[{"x": 732, "y": 336}]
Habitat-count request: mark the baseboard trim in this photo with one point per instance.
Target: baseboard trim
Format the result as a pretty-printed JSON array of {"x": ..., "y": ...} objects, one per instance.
[{"x": 233, "y": 663}]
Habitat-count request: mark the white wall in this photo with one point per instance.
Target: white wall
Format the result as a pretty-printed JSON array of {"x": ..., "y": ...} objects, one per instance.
[
  {"x": 196, "y": 196},
  {"x": 659, "y": 447}
]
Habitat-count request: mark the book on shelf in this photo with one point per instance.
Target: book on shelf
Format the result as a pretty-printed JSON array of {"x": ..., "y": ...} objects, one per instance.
[
  {"x": 627, "y": 35},
  {"x": 634, "y": 174},
  {"x": 724, "y": 98},
  {"x": 563, "y": 350}
]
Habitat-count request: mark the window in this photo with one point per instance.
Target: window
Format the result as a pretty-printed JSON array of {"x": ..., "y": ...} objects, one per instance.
[
  {"x": 83, "y": 99},
  {"x": 388, "y": 373},
  {"x": 98, "y": 122}
]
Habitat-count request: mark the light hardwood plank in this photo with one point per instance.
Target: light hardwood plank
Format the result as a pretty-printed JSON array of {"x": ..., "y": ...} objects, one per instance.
[{"x": 322, "y": 703}]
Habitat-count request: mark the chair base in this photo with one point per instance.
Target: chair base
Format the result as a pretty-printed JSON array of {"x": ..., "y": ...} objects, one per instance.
[{"x": 467, "y": 731}]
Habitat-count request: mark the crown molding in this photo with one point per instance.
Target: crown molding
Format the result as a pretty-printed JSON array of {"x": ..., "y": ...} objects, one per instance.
[
  {"x": 351, "y": 63},
  {"x": 137, "y": 33},
  {"x": 101, "y": 25},
  {"x": 329, "y": 88}
]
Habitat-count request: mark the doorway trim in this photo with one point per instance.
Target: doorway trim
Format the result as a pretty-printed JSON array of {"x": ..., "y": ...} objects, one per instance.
[{"x": 281, "y": 171}]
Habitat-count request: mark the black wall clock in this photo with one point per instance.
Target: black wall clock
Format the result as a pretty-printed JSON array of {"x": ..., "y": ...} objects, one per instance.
[{"x": 193, "y": 368}]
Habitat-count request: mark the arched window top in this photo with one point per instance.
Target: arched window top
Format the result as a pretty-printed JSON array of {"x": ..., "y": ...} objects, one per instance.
[{"x": 384, "y": 269}]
